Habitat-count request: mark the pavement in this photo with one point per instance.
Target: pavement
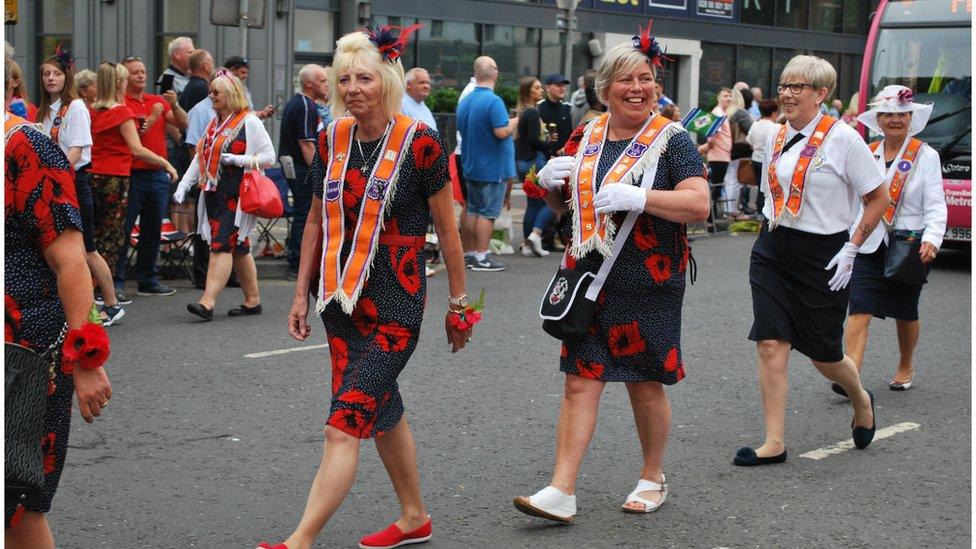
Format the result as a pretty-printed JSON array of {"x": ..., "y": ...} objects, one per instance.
[{"x": 210, "y": 441}]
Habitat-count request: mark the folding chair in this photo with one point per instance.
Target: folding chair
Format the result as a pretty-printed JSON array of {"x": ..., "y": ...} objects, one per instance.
[
  {"x": 272, "y": 246},
  {"x": 173, "y": 260}
]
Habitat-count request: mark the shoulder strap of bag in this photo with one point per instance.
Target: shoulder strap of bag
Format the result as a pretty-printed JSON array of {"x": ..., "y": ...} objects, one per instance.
[{"x": 647, "y": 181}]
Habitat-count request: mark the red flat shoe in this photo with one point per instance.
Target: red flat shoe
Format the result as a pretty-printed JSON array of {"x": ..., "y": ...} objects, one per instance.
[
  {"x": 266, "y": 545},
  {"x": 394, "y": 537}
]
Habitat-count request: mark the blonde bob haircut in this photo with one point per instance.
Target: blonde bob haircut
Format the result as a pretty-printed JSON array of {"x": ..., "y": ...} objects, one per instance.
[
  {"x": 225, "y": 81},
  {"x": 819, "y": 72},
  {"x": 620, "y": 60},
  {"x": 107, "y": 81},
  {"x": 355, "y": 51}
]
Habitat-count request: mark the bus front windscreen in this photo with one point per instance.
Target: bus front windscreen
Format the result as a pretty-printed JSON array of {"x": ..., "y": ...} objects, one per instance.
[{"x": 936, "y": 64}]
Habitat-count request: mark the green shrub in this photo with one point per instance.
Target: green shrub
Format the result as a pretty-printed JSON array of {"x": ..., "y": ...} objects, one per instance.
[
  {"x": 443, "y": 100},
  {"x": 509, "y": 95}
]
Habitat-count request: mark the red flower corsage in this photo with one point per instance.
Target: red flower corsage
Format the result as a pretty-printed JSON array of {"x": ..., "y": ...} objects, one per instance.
[
  {"x": 87, "y": 346},
  {"x": 531, "y": 185},
  {"x": 238, "y": 147},
  {"x": 471, "y": 315}
]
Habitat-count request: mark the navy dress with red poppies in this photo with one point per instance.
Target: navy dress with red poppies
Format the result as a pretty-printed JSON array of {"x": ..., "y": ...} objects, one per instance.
[
  {"x": 371, "y": 347},
  {"x": 636, "y": 335},
  {"x": 221, "y": 204},
  {"x": 39, "y": 205}
]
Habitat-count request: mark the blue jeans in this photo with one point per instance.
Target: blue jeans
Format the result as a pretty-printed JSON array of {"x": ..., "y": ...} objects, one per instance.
[
  {"x": 149, "y": 201},
  {"x": 301, "y": 196},
  {"x": 538, "y": 215}
]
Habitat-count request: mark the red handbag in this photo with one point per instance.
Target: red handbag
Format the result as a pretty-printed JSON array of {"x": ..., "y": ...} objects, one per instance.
[{"x": 260, "y": 196}]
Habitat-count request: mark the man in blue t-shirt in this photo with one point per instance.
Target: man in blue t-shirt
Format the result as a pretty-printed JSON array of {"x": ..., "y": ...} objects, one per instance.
[
  {"x": 488, "y": 163},
  {"x": 296, "y": 149}
]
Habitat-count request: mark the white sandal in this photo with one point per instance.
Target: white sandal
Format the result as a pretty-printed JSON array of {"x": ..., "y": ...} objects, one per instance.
[
  {"x": 549, "y": 503},
  {"x": 644, "y": 485}
]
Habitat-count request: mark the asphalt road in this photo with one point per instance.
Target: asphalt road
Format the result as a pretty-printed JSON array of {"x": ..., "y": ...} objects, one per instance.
[{"x": 202, "y": 447}]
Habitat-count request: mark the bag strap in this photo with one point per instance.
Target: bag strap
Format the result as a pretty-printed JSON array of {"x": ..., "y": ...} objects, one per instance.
[{"x": 647, "y": 181}]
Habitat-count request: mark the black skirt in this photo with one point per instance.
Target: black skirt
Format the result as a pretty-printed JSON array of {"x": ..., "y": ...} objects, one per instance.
[
  {"x": 872, "y": 293},
  {"x": 790, "y": 297}
]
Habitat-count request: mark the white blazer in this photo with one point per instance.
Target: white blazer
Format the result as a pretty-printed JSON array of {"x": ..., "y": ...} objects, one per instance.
[{"x": 922, "y": 206}]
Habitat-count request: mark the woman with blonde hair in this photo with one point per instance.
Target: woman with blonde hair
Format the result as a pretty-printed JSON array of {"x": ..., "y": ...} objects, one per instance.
[
  {"x": 20, "y": 105},
  {"x": 235, "y": 140},
  {"x": 115, "y": 140},
  {"x": 532, "y": 146},
  {"x": 634, "y": 180},
  {"x": 378, "y": 176}
]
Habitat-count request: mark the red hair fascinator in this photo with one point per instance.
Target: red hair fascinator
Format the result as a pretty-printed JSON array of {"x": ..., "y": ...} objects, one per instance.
[
  {"x": 647, "y": 45},
  {"x": 390, "y": 44},
  {"x": 63, "y": 55}
]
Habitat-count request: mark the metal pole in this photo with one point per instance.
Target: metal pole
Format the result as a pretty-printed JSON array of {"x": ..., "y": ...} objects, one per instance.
[
  {"x": 242, "y": 26},
  {"x": 568, "y": 66}
]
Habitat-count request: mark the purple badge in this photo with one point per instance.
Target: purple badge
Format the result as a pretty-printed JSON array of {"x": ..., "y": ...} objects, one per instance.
[
  {"x": 57, "y": 121},
  {"x": 635, "y": 150},
  {"x": 377, "y": 189},
  {"x": 808, "y": 152},
  {"x": 332, "y": 190},
  {"x": 590, "y": 150},
  {"x": 904, "y": 166}
]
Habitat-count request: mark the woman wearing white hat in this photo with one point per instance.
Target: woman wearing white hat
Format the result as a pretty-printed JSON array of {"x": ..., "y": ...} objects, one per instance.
[{"x": 914, "y": 175}]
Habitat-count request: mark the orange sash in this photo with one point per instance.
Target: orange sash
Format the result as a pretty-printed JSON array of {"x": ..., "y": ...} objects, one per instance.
[
  {"x": 12, "y": 122},
  {"x": 344, "y": 283},
  {"x": 590, "y": 230},
  {"x": 903, "y": 170},
  {"x": 798, "y": 182},
  {"x": 58, "y": 119},
  {"x": 213, "y": 142}
]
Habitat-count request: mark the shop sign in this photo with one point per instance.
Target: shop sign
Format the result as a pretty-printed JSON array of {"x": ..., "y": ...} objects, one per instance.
[{"x": 715, "y": 8}]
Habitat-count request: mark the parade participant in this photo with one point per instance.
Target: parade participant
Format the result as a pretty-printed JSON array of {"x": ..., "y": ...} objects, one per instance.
[
  {"x": 47, "y": 289},
  {"x": 234, "y": 141},
  {"x": 816, "y": 170},
  {"x": 914, "y": 175},
  {"x": 115, "y": 141},
  {"x": 67, "y": 121},
  {"x": 636, "y": 335},
  {"x": 378, "y": 176},
  {"x": 531, "y": 149}
]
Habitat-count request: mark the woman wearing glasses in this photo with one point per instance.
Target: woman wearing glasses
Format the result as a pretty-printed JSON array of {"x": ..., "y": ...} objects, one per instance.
[
  {"x": 115, "y": 141},
  {"x": 816, "y": 171},
  {"x": 235, "y": 140}
]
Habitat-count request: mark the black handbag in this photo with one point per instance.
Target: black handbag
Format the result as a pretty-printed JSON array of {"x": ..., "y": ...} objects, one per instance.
[
  {"x": 902, "y": 260},
  {"x": 566, "y": 312},
  {"x": 27, "y": 374}
]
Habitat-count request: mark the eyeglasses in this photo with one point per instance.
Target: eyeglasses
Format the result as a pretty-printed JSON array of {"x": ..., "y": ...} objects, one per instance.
[
  {"x": 795, "y": 88},
  {"x": 130, "y": 58}
]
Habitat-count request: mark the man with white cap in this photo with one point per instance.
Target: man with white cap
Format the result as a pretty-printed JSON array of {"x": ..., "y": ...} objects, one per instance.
[{"x": 917, "y": 209}]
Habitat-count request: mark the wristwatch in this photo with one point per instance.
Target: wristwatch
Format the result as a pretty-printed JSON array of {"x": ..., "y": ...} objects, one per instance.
[{"x": 458, "y": 302}]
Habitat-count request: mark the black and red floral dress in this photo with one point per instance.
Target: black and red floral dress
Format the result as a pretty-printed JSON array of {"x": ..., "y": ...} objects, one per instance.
[
  {"x": 370, "y": 347},
  {"x": 221, "y": 205},
  {"x": 39, "y": 204},
  {"x": 636, "y": 335}
]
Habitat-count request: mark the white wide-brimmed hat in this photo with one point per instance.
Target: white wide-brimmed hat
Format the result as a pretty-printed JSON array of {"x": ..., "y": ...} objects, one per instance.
[{"x": 896, "y": 98}]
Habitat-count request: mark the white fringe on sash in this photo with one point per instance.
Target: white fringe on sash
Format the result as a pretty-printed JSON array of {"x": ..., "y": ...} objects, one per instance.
[{"x": 650, "y": 157}]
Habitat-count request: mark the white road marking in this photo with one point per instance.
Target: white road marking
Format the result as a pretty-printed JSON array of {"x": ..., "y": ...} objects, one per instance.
[
  {"x": 846, "y": 445},
  {"x": 285, "y": 351}
]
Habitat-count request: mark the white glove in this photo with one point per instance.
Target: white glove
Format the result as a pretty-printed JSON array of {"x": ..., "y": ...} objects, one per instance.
[
  {"x": 844, "y": 261},
  {"x": 180, "y": 195},
  {"x": 620, "y": 197},
  {"x": 555, "y": 172},
  {"x": 239, "y": 160}
]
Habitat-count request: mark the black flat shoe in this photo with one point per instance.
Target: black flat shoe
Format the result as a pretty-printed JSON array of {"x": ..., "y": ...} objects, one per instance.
[
  {"x": 746, "y": 457},
  {"x": 200, "y": 311},
  {"x": 862, "y": 435},
  {"x": 244, "y": 310},
  {"x": 839, "y": 390}
]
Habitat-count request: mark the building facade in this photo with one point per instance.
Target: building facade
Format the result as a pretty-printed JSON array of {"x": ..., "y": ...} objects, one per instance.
[{"x": 711, "y": 43}]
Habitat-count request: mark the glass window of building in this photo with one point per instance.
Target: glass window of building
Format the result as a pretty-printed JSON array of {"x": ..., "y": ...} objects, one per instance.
[
  {"x": 552, "y": 56},
  {"x": 314, "y": 40},
  {"x": 581, "y": 57},
  {"x": 717, "y": 71},
  {"x": 447, "y": 49},
  {"x": 498, "y": 43},
  {"x": 408, "y": 57},
  {"x": 848, "y": 76},
  {"x": 856, "y": 13},
  {"x": 781, "y": 57},
  {"x": 176, "y": 18},
  {"x": 758, "y": 12},
  {"x": 57, "y": 26},
  {"x": 791, "y": 14},
  {"x": 527, "y": 51},
  {"x": 827, "y": 16},
  {"x": 754, "y": 66}
]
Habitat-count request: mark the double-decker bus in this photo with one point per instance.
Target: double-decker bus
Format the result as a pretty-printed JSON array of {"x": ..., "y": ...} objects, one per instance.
[{"x": 925, "y": 45}]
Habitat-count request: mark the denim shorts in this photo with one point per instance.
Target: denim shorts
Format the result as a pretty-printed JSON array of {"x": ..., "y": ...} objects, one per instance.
[{"x": 485, "y": 199}]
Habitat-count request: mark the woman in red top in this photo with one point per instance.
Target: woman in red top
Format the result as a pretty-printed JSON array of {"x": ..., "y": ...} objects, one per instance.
[
  {"x": 115, "y": 141},
  {"x": 20, "y": 105}
]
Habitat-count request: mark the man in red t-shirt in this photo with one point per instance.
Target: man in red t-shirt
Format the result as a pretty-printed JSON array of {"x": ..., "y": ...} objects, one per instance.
[{"x": 149, "y": 186}]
